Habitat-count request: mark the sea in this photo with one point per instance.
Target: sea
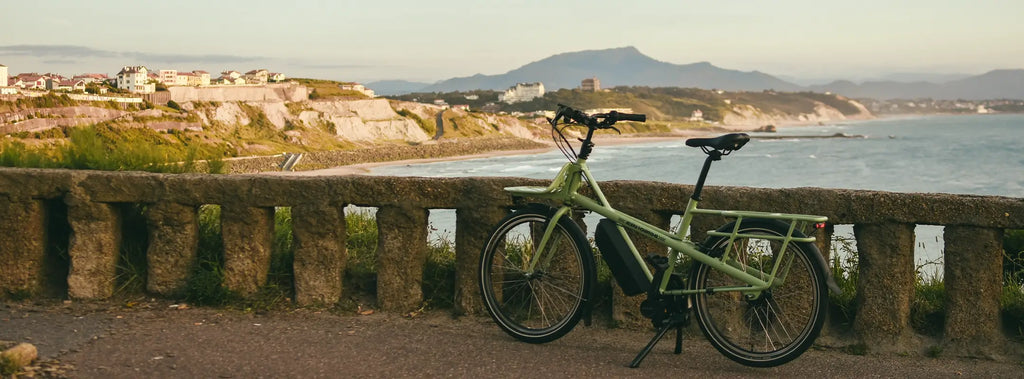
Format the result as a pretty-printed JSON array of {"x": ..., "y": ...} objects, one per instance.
[{"x": 959, "y": 154}]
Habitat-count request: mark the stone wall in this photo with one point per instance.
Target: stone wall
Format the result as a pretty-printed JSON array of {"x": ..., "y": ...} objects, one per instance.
[
  {"x": 883, "y": 224},
  {"x": 269, "y": 92}
]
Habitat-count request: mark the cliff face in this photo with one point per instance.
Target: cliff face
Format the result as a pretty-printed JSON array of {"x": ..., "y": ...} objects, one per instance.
[
  {"x": 748, "y": 116},
  {"x": 39, "y": 119},
  {"x": 364, "y": 120},
  {"x": 269, "y": 92}
]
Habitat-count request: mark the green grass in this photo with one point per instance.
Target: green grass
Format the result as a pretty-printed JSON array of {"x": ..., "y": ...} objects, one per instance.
[
  {"x": 205, "y": 284},
  {"x": 361, "y": 243},
  {"x": 439, "y": 274},
  {"x": 927, "y": 309},
  {"x": 113, "y": 148},
  {"x": 328, "y": 89},
  {"x": 8, "y": 367},
  {"x": 845, "y": 272}
]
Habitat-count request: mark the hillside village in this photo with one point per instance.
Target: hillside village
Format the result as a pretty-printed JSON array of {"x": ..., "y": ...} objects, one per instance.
[{"x": 131, "y": 79}]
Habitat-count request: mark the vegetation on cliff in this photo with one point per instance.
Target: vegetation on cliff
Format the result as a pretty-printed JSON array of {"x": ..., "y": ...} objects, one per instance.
[
  {"x": 109, "y": 147},
  {"x": 659, "y": 103}
]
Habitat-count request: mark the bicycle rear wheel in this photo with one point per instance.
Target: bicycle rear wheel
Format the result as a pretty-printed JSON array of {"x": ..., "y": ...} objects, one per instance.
[
  {"x": 784, "y": 320},
  {"x": 545, "y": 303}
]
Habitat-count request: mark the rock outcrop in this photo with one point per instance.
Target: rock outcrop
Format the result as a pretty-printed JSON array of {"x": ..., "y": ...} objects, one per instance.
[{"x": 747, "y": 116}]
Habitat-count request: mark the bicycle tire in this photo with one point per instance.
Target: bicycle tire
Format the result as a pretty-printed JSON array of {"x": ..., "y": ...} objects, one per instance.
[
  {"x": 544, "y": 305},
  {"x": 785, "y": 320}
]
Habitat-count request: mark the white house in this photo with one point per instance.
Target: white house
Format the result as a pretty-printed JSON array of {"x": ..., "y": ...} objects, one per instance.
[
  {"x": 199, "y": 78},
  {"x": 358, "y": 88},
  {"x": 3, "y": 76},
  {"x": 169, "y": 77},
  {"x": 92, "y": 78},
  {"x": 30, "y": 81},
  {"x": 135, "y": 79},
  {"x": 276, "y": 77},
  {"x": 522, "y": 92},
  {"x": 697, "y": 115},
  {"x": 259, "y": 76}
]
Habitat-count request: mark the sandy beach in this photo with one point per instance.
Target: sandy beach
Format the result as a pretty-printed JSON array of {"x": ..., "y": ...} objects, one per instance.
[{"x": 601, "y": 140}]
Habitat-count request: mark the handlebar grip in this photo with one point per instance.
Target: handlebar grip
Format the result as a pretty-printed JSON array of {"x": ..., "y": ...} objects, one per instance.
[
  {"x": 633, "y": 117},
  {"x": 629, "y": 116}
]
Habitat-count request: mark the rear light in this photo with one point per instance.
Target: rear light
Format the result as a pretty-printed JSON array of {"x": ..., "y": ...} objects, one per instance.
[{"x": 820, "y": 225}]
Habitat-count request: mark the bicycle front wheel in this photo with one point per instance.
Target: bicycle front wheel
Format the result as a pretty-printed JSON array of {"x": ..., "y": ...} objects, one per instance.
[
  {"x": 544, "y": 302},
  {"x": 780, "y": 323}
]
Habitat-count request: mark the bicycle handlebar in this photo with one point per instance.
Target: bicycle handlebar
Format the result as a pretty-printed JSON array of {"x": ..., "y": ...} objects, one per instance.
[{"x": 595, "y": 121}]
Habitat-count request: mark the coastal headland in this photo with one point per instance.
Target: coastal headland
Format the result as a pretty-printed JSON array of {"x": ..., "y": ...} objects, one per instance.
[{"x": 216, "y": 129}]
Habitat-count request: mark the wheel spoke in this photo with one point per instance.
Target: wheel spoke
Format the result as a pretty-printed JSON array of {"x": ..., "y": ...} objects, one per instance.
[
  {"x": 778, "y": 324},
  {"x": 544, "y": 303}
]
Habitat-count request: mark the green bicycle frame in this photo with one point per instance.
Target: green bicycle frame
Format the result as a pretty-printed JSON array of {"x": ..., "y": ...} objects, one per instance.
[{"x": 564, "y": 190}]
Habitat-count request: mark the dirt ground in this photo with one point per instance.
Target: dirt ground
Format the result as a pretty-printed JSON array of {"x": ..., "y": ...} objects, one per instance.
[{"x": 166, "y": 340}]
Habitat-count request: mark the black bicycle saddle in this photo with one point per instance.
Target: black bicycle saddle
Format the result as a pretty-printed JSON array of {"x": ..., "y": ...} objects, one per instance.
[{"x": 731, "y": 141}]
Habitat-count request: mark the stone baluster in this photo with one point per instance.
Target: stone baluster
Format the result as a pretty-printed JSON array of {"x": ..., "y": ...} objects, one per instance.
[
  {"x": 885, "y": 286},
  {"x": 320, "y": 253},
  {"x": 94, "y": 247},
  {"x": 472, "y": 228},
  {"x": 401, "y": 255},
  {"x": 23, "y": 252},
  {"x": 248, "y": 235},
  {"x": 973, "y": 282},
  {"x": 173, "y": 241}
]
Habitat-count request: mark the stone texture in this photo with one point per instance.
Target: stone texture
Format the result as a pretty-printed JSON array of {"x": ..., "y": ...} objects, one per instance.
[
  {"x": 973, "y": 269},
  {"x": 23, "y": 252},
  {"x": 401, "y": 255},
  {"x": 472, "y": 228},
  {"x": 95, "y": 224},
  {"x": 94, "y": 249},
  {"x": 319, "y": 238},
  {"x": 248, "y": 235},
  {"x": 886, "y": 286},
  {"x": 173, "y": 240}
]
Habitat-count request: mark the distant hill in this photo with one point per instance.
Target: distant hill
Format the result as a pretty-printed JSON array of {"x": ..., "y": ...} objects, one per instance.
[
  {"x": 395, "y": 87},
  {"x": 996, "y": 84},
  {"x": 627, "y": 66},
  {"x": 615, "y": 67}
]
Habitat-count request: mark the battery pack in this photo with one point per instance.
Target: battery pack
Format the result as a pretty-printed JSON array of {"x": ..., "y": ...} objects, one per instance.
[{"x": 625, "y": 268}]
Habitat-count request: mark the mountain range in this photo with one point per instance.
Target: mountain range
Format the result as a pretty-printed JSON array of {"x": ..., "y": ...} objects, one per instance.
[{"x": 627, "y": 66}]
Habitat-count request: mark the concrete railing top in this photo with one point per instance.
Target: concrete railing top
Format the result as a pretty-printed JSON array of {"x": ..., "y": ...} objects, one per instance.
[{"x": 840, "y": 205}]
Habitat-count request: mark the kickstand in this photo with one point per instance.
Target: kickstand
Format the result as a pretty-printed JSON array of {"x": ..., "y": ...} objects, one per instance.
[{"x": 654, "y": 341}]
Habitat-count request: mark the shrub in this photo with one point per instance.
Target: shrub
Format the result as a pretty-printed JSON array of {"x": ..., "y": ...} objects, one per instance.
[{"x": 361, "y": 270}]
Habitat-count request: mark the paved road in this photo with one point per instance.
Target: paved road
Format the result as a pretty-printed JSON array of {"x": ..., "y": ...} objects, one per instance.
[{"x": 103, "y": 340}]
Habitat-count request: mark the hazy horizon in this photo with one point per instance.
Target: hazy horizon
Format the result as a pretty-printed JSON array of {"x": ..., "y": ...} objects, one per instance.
[{"x": 805, "y": 42}]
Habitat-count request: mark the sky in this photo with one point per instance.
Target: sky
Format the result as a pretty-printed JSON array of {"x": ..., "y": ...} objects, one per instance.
[{"x": 807, "y": 41}]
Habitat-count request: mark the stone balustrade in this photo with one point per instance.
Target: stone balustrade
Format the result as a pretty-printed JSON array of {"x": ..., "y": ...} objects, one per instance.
[{"x": 88, "y": 201}]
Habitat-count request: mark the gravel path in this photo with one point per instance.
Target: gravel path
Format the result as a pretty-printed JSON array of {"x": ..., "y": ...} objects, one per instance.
[{"x": 155, "y": 339}]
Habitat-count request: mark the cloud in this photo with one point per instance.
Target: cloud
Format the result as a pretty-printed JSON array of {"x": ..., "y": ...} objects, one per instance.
[
  {"x": 71, "y": 51},
  {"x": 185, "y": 58},
  {"x": 61, "y": 61},
  {"x": 337, "y": 66},
  {"x": 56, "y": 50}
]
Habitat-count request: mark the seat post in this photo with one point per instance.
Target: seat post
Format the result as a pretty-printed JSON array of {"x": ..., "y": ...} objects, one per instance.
[{"x": 713, "y": 155}]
